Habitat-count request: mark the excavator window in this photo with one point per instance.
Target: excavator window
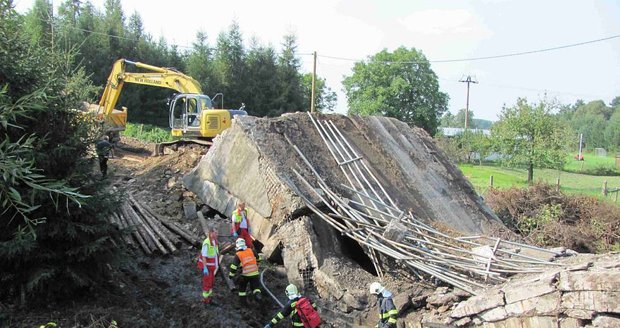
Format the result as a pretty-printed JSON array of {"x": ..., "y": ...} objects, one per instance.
[{"x": 193, "y": 113}]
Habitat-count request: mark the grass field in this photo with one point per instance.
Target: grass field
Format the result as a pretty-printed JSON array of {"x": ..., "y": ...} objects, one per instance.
[
  {"x": 573, "y": 183},
  {"x": 592, "y": 164}
]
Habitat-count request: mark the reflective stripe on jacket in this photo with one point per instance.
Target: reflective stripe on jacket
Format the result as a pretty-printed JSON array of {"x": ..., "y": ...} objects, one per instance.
[
  {"x": 240, "y": 219},
  {"x": 387, "y": 311},
  {"x": 210, "y": 251},
  {"x": 248, "y": 262}
]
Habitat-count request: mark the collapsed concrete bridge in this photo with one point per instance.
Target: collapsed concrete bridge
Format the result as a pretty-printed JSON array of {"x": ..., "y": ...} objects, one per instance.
[
  {"x": 288, "y": 170},
  {"x": 255, "y": 161}
]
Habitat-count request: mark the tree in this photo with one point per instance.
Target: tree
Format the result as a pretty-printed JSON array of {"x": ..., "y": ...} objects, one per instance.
[
  {"x": 290, "y": 97},
  {"x": 325, "y": 98},
  {"x": 447, "y": 120},
  {"x": 39, "y": 23},
  {"x": 591, "y": 120},
  {"x": 615, "y": 102},
  {"x": 399, "y": 84},
  {"x": 612, "y": 131},
  {"x": 459, "y": 119},
  {"x": 54, "y": 239},
  {"x": 261, "y": 83},
  {"x": 528, "y": 134}
]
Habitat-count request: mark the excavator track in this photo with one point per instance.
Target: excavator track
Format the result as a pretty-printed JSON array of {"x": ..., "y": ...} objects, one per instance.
[{"x": 159, "y": 147}]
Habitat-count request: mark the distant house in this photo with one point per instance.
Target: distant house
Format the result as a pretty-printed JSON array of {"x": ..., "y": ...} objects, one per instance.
[{"x": 452, "y": 132}]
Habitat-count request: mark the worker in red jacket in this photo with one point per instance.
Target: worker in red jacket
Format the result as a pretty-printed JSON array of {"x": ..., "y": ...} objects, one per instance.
[
  {"x": 241, "y": 224},
  {"x": 208, "y": 262}
]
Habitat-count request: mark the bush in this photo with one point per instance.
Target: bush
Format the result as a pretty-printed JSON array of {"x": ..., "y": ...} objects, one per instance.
[
  {"x": 549, "y": 218},
  {"x": 54, "y": 239},
  {"x": 149, "y": 133}
]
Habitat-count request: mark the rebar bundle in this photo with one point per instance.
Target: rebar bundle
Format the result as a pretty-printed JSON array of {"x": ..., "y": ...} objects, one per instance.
[{"x": 370, "y": 217}]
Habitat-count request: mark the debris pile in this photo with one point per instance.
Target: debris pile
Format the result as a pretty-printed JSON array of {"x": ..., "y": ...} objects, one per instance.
[
  {"x": 255, "y": 161},
  {"x": 581, "y": 295},
  {"x": 150, "y": 231}
]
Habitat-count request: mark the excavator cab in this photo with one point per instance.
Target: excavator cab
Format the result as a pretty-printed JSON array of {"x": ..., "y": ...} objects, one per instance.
[{"x": 192, "y": 115}]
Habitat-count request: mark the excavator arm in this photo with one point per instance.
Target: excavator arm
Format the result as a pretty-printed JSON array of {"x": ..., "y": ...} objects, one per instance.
[{"x": 157, "y": 77}]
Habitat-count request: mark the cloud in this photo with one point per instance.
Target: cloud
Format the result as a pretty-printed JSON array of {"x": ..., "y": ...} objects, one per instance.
[{"x": 446, "y": 23}]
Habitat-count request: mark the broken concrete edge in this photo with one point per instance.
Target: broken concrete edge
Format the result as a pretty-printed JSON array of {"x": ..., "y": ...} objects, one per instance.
[{"x": 574, "y": 295}]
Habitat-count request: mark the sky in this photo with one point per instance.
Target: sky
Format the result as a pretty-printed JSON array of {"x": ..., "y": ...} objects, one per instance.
[{"x": 345, "y": 31}]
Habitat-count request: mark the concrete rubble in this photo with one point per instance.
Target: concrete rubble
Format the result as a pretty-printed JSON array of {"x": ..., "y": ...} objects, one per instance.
[{"x": 253, "y": 161}]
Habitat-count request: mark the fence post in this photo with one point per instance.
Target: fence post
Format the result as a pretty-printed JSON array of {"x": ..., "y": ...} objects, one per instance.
[
  {"x": 557, "y": 184},
  {"x": 491, "y": 181},
  {"x": 605, "y": 188}
]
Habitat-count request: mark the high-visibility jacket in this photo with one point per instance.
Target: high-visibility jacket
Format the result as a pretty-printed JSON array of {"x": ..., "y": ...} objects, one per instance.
[
  {"x": 247, "y": 259},
  {"x": 240, "y": 220},
  {"x": 387, "y": 310},
  {"x": 290, "y": 309},
  {"x": 210, "y": 251}
]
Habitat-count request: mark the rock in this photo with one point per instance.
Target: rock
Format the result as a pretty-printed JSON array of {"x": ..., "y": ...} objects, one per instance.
[
  {"x": 580, "y": 314},
  {"x": 462, "y": 322},
  {"x": 521, "y": 292},
  {"x": 605, "y": 321},
  {"x": 189, "y": 208},
  {"x": 496, "y": 314},
  {"x": 580, "y": 267},
  {"x": 570, "y": 323},
  {"x": 479, "y": 303},
  {"x": 599, "y": 301},
  {"x": 171, "y": 183},
  {"x": 543, "y": 305},
  {"x": 443, "y": 308},
  {"x": 590, "y": 280},
  {"x": 354, "y": 301},
  {"x": 442, "y": 297}
]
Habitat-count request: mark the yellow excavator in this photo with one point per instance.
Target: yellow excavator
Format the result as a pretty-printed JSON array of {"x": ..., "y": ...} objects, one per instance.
[{"x": 191, "y": 113}]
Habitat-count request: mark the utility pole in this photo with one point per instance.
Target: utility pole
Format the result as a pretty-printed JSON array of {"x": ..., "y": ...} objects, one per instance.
[
  {"x": 468, "y": 80},
  {"x": 313, "y": 84}
]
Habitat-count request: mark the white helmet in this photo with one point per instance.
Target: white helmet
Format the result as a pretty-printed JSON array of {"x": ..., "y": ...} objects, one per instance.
[
  {"x": 240, "y": 244},
  {"x": 376, "y": 288},
  {"x": 291, "y": 291}
]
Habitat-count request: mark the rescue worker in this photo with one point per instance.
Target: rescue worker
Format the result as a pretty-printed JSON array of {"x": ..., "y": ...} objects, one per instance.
[
  {"x": 208, "y": 262},
  {"x": 247, "y": 259},
  {"x": 290, "y": 309},
  {"x": 241, "y": 224},
  {"x": 103, "y": 148},
  {"x": 387, "y": 310}
]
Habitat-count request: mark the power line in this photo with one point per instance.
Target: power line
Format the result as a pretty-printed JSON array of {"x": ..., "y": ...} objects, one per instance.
[{"x": 484, "y": 57}]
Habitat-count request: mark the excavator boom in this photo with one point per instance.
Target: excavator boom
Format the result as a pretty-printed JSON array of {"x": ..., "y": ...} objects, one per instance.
[{"x": 191, "y": 112}]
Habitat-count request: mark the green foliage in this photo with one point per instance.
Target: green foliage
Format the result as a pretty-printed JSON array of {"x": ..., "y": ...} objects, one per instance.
[
  {"x": 466, "y": 147},
  {"x": 399, "y": 84},
  {"x": 528, "y": 135},
  {"x": 53, "y": 237},
  {"x": 325, "y": 98},
  {"x": 147, "y": 133},
  {"x": 612, "y": 131}
]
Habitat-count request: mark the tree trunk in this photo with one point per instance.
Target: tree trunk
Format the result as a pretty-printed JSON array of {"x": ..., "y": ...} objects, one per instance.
[{"x": 530, "y": 173}]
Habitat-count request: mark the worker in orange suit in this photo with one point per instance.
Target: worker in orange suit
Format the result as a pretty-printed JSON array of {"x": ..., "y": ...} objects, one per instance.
[
  {"x": 208, "y": 262},
  {"x": 241, "y": 225}
]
